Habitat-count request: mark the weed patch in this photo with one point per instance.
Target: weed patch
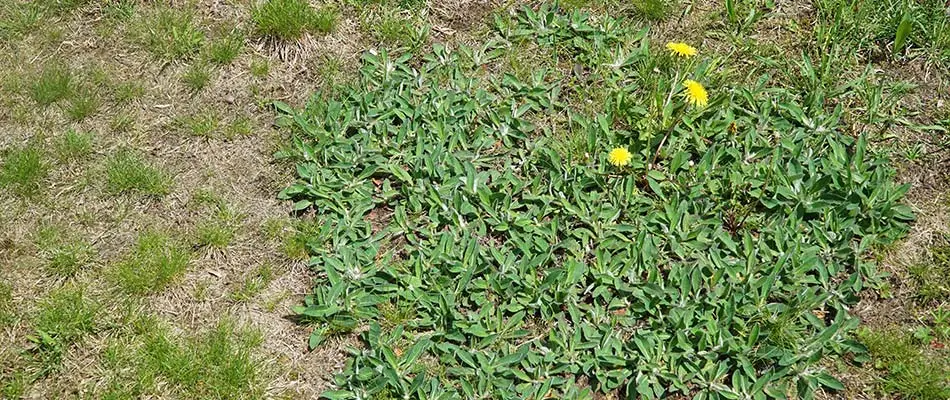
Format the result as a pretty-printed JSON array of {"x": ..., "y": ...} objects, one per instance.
[
  {"x": 655, "y": 10},
  {"x": 204, "y": 124},
  {"x": 197, "y": 77},
  {"x": 7, "y": 312},
  {"x": 82, "y": 104},
  {"x": 710, "y": 242}
]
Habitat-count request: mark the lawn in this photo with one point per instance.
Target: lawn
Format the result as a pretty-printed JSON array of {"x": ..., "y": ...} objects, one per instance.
[{"x": 381, "y": 199}]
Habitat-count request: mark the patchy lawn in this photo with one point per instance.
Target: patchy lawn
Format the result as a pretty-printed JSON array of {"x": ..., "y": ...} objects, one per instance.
[{"x": 146, "y": 253}]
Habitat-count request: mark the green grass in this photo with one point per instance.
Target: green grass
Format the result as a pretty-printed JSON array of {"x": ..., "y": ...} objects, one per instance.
[
  {"x": 217, "y": 364},
  {"x": 62, "y": 6},
  {"x": 259, "y": 67},
  {"x": 122, "y": 122},
  {"x": 128, "y": 172},
  {"x": 18, "y": 18},
  {"x": 170, "y": 33},
  {"x": 23, "y": 171},
  {"x": 870, "y": 28},
  {"x": 197, "y": 77},
  {"x": 66, "y": 315},
  {"x": 125, "y": 92},
  {"x": 294, "y": 235},
  {"x": 226, "y": 48},
  {"x": 290, "y": 19},
  {"x": 74, "y": 145},
  {"x": 219, "y": 230},
  {"x": 119, "y": 10},
  {"x": 653, "y": 10},
  {"x": 7, "y": 311},
  {"x": 65, "y": 254},
  {"x": 53, "y": 84},
  {"x": 239, "y": 127},
  {"x": 931, "y": 277},
  {"x": 395, "y": 29},
  {"x": 61, "y": 319},
  {"x": 82, "y": 104},
  {"x": 908, "y": 372},
  {"x": 156, "y": 260},
  {"x": 253, "y": 284},
  {"x": 203, "y": 124}
]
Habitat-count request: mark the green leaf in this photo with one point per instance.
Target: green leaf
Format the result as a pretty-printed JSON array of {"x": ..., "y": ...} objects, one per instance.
[
  {"x": 903, "y": 31},
  {"x": 830, "y": 382}
]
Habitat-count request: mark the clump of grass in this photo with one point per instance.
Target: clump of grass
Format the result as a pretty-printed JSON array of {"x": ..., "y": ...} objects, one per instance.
[
  {"x": 217, "y": 364},
  {"x": 119, "y": 10},
  {"x": 155, "y": 261},
  {"x": 254, "y": 284},
  {"x": 125, "y": 92},
  {"x": 73, "y": 145},
  {"x": 226, "y": 49},
  {"x": 219, "y": 230},
  {"x": 931, "y": 277},
  {"x": 82, "y": 104},
  {"x": 170, "y": 33},
  {"x": 66, "y": 315},
  {"x": 62, "y": 318},
  {"x": 23, "y": 171},
  {"x": 65, "y": 254},
  {"x": 206, "y": 197},
  {"x": 259, "y": 67},
  {"x": 127, "y": 172},
  {"x": 290, "y": 19},
  {"x": 393, "y": 314},
  {"x": 122, "y": 122},
  {"x": 17, "y": 19},
  {"x": 53, "y": 84},
  {"x": 7, "y": 312},
  {"x": 241, "y": 126},
  {"x": 395, "y": 29},
  {"x": 62, "y": 6},
  {"x": 301, "y": 232},
  {"x": 203, "y": 124},
  {"x": 653, "y": 10},
  {"x": 197, "y": 76},
  {"x": 909, "y": 373}
]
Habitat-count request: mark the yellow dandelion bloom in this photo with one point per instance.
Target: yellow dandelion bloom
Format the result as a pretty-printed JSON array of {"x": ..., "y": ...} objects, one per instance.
[
  {"x": 696, "y": 93},
  {"x": 681, "y": 49},
  {"x": 619, "y": 157}
]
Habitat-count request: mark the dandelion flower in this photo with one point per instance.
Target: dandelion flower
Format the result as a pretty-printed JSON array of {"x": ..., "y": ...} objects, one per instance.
[
  {"x": 696, "y": 93},
  {"x": 619, "y": 157},
  {"x": 681, "y": 49}
]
